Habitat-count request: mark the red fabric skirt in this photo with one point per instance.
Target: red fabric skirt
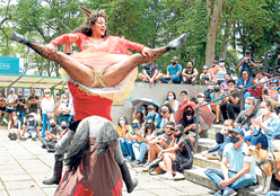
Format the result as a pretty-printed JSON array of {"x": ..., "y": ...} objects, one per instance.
[{"x": 86, "y": 105}]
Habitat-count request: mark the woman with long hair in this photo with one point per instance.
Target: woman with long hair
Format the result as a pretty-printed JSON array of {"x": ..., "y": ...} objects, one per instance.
[{"x": 102, "y": 72}]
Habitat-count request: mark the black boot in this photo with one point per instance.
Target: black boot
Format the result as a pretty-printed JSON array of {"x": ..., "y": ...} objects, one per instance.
[
  {"x": 20, "y": 39},
  {"x": 130, "y": 182},
  {"x": 178, "y": 42},
  {"x": 57, "y": 171}
]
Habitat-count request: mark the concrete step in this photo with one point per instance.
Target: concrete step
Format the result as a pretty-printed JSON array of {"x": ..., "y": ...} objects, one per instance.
[
  {"x": 197, "y": 176},
  {"x": 201, "y": 161},
  {"x": 205, "y": 144},
  {"x": 211, "y": 133}
]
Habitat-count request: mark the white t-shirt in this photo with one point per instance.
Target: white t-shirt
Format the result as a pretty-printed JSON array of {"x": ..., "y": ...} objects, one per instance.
[{"x": 47, "y": 105}]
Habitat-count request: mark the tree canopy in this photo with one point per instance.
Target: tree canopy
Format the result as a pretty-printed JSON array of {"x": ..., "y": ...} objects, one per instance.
[{"x": 218, "y": 28}]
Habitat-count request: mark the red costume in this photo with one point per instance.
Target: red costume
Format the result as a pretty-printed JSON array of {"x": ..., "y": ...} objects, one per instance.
[
  {"x": 111, "y": 51},
  {"x": 99, "y": 103}
]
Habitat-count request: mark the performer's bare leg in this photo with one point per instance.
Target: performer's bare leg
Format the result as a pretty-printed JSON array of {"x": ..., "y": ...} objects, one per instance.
[{"x": 86, "y": 74}]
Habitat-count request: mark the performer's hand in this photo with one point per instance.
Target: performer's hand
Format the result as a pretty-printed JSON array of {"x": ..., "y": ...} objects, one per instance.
[{"x": 146, "y": 52}]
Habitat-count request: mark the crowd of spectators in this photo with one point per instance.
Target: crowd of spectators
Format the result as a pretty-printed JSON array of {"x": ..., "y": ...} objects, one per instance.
[
  {"x": 44, "y": 117},
  {"x": 161, "y": 138}
]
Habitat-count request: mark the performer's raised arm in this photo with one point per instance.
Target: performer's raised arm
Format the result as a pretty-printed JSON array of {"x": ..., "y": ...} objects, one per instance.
[{"x": 66, "y": 40}]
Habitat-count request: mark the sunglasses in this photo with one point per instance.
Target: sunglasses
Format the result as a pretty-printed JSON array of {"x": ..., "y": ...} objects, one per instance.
[{"x": 171, "y": 128}]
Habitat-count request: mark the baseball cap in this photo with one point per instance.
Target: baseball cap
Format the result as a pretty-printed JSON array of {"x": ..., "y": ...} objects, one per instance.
[{"x": 238, "y": 131}]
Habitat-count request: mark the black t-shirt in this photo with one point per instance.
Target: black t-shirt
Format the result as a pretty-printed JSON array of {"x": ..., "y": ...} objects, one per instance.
[
  {"x": 33, "y": 103},
  {"x": 21, "y": 104}
]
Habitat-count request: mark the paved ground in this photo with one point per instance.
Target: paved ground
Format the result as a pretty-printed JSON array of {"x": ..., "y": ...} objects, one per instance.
[{"x": 24, "y": 164}]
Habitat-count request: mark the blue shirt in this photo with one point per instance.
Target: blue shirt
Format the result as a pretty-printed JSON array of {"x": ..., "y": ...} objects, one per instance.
[
  {"x": 236, "y": 159},
  {"x": 173, "y": 70}
]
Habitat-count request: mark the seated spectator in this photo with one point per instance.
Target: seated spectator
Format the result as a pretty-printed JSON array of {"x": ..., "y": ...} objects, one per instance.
[
  {"x": 63, "y": 109},
  {"x": 231, "y": 104},
  {"x": 52, "y": 135},
  {"x": 174, "y": 72},
  {"x": 140, "y": 148},
  {"x": 150, "y": 73},
  {"x": 172, "y": 101},
  {"x": 221, "y": 72},
  {"x": 237, "y": 168},
  {"x": 245, "y": 82},
  {"x": 184, "y": 101},
  {"x": 139, "y": 116},
  {"x": 30, "y": 129},
  {"x": 222, "y": 139},
  {"x": 176, "y": 157},
  {"x": 161, "y": 142},
  {"x": 213, "y": 70},
  {"x": 152, "y": 115},
  {"x": 189, "y": 73},
  {"x": 249, "y": 111},
  {"x": 124, "y": 129},
  {"x": 213, "y": 95},
  {"x": 188, "y": 124},
  {"x": 205, "y": 76},
  {"x": 166, "y": 115},
  {"x": 268, "y": 121}
]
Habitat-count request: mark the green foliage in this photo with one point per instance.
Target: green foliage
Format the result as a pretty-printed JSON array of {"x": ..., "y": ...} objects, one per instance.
[{"x": 253, "y": 24}]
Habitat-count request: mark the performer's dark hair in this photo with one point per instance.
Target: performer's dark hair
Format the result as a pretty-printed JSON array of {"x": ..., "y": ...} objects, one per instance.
[{"x": 91, "y": 20}]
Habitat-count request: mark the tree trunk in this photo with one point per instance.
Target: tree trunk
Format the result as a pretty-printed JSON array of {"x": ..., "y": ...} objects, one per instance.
[
  {"x": 225, "y": 40},
  {"x": 214, "y": 14}
]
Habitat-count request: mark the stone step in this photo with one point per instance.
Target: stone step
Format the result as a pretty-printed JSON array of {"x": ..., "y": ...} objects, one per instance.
[
  {"x": 205, "y": 144},
  {"x": 202, "y": 161},
  {"x": 197, "y": 176},
  {"x": 211, "y": 133}
]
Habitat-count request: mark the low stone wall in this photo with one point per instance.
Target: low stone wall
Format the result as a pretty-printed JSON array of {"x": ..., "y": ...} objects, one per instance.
[{"x": 156, "y": 92}]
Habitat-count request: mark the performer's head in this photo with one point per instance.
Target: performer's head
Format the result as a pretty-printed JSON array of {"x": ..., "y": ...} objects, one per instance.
[{"x": 96, "y": 23}]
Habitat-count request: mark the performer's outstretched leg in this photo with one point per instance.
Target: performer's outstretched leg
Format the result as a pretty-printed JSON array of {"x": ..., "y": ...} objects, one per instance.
[{"x": 87, "y": 75}]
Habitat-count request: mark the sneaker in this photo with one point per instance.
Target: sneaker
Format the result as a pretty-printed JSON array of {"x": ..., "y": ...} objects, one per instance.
[
  {"x": 219, "y": 193},
  {"x": 178, "y": 176},
  {"x": 176, "y": 43},
  {"x": 167, "y": 176}
]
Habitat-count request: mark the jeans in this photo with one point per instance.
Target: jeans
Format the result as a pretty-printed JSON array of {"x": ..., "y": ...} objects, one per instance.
[
  {"x": 140, "y": 150},
  {"x": 45, "y": 125},
  {"x": 126, "y": 148},
  {"x": 175, "y": 79},
  {"x": 273, "y": 193},
  {"x": 230, "y": 111},
  {"x": 21, "y": 115},
  {"x": 216, "y": 176}
]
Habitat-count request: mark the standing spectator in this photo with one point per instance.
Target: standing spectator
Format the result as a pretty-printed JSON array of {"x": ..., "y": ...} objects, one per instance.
[
  {"x": 149, "y": 73},
  {"x": 189, "y": 73},
  {"x": 2, "y": 106},
  {"x": 21, "y": 107},
  {"x": 11, "y": 107},
  {"x": 172, "y": 101},
  {"x": 30, "y": 129},
  {"x": 33, "y": 104},
  {"x": 231, "y": 105},
  {"x": 47, "y": 107},
  {"x": 237, "y": 167},
  {"x": 247, "y": 63},
  {"x": 174, "y": 72},
  {"x": 205, "y": 76}
]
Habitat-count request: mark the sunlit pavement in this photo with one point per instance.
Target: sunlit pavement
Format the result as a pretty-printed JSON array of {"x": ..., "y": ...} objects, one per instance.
[{"x": 24, "y": 164}]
